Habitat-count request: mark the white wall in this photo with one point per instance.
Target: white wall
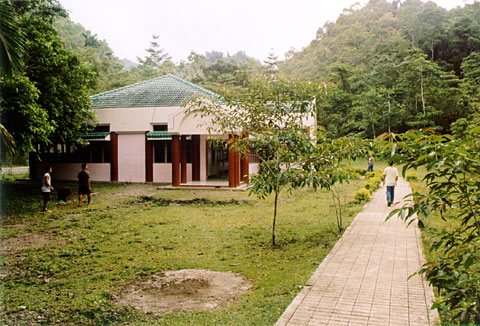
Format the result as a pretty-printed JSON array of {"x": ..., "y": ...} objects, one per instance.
[
  {"x": 69, "y": 171},
  {"x": 131, "y": 157},
  {"x": 135, "y": 119},
  {"x": 253, "y": 168},
  {"x": 162, "y": 172},
  {"x": 142, "y": 119}
]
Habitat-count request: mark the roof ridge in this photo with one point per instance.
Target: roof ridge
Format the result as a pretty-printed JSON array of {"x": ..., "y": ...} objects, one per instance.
[
  {"x": 166, "y": 90},
  {"x": 128, "y": 86},
  {"x": 193, "y": 85}
]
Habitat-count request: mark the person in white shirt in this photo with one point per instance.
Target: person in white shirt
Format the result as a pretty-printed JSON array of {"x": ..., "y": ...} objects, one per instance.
[
  {"x": 390, "y": 177},
  {"x": 371, "y": 162},
  {"x": 47, "y": 188}
]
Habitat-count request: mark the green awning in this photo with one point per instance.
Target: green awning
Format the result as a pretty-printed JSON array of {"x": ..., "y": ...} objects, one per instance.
[
  {"x": 95, "y": 135},
  {"x": 159, "y": 135}
]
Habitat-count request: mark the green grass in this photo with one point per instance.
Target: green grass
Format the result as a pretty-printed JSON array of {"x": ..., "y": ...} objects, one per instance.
[{"x": 71, "y": 277}]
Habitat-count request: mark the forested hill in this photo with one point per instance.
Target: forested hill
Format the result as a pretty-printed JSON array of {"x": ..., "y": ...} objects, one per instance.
[
  {"x": 362, "y": 35},
  {"x": 395, "y": 66}
]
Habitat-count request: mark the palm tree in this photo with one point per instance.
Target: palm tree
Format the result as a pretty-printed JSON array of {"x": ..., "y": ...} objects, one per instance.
[
  {"x": 12, "y": 50},
  {"x": 12, "y": 41}
]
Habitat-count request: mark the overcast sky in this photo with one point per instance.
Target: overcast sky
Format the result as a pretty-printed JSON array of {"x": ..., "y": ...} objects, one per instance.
[{"x": 255, "y": 26}]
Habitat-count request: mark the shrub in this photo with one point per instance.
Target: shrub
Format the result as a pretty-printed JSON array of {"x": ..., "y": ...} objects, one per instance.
[
  {"x": 362, "y": 195},
  {"x": 357, "y": 172},
  {"x": 411, "y": 176}
]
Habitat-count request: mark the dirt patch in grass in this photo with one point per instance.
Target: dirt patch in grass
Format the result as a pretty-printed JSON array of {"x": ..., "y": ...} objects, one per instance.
[
  {"x": 23, "y": 241},
  {"x": 194, "y": 201},
  {"x": 187, "y": 289}
]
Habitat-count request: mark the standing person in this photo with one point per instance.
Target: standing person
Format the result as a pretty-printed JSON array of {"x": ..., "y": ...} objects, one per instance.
[
  {"x": 47, "y": 188},
  {"x": 371, "y": 162},
  {"x": 390, "y": 177},
  {"x": 84, "y": 187}
]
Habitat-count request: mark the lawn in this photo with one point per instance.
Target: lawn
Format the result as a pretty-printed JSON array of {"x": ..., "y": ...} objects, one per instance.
[{"x": 68, "y": 267}]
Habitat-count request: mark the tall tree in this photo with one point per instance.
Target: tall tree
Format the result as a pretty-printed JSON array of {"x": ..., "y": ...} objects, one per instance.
[
  {"x": 56, "y": 106},
  {"x": 157, "y": 56},
  {"x": 271, "y": 64},
  {"x": 12, "y": 50}
]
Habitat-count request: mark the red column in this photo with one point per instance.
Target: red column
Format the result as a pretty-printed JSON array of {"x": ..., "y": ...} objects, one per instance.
[
  {"x": 148, "y": 160},
  {"x": 114, "y": 156},
  {"x": 196, "y": 157},
  {"x": 231, "y": 164},
  {"x": 237, "y": 167},
  {"x": 183, "y": 158},
  {"x": 244, "y": 164},
  {"x": 175, "y": 160}
]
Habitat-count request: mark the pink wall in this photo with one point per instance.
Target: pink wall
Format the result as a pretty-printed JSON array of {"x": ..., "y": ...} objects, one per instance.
[
  {"x": 131, "y": 157},
  {"x": 69, "y": 171}
]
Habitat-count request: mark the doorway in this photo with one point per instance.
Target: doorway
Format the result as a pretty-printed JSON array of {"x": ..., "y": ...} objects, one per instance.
[{"x": 217, "y": 160}]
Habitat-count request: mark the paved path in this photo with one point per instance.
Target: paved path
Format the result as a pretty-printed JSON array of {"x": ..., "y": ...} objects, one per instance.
[
  {"x": 15, "y": 170},
  {"x": 363, "y": 280}
]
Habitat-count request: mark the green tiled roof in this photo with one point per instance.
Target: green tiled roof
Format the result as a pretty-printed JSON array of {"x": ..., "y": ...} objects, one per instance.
[
  {"x": 165, "y": 91},
  {"x": 159, "y": 134},
  {"x": 95, "y": 135}
]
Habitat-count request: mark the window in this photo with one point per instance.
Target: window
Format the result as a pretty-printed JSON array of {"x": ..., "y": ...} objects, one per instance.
[
  {"x": 160, "y": 127},
  {"x": 189, "y": 151},
  {"x": 102, "y": 129},
  {"x": 95, "y": 152},
  {"x": 163, "y": 151},
  {"x": 253, "y": 157}
]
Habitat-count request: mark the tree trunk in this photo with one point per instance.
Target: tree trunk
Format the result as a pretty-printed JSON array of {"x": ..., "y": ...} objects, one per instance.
[
  {"x": 423, "y": 98},
  {"x": 389, "y": 110},
  {"x": 274, "y": 217},
  {"x": 432, "y": 49},
  {"x": 337, "y": 203}
]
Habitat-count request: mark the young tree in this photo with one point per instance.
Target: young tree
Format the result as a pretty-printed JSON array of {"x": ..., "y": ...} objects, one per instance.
[
  {"x": 327, "y": 169},
  {"x": 274, "y": 110}
]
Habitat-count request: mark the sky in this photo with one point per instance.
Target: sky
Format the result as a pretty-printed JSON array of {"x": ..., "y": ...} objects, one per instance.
[{"x": 258, "y": 27}]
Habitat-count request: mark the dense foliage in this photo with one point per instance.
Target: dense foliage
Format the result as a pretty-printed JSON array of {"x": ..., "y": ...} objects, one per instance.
[
  {"x": 48, "y": 100},
  {"x": 453, "y": 192},
  {"x": 394, "y": 66}
]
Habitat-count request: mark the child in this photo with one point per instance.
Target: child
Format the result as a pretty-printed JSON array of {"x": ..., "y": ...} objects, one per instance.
[
  {"x": 47, "y": 188},
  {"x": 84, "y": 187}
]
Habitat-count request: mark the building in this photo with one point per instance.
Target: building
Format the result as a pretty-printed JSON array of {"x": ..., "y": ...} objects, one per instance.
[{"x": 144, "y": 134}]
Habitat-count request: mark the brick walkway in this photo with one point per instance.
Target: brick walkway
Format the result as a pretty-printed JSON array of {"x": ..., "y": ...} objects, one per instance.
[{"x": 363, "y": 280}]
